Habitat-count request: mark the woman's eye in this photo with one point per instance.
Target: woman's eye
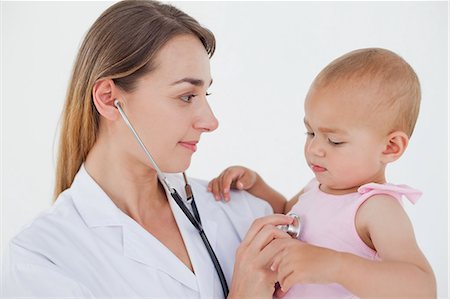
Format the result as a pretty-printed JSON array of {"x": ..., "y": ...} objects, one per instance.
[
  {"x": 309, "y": 134},
  {"x": 188, "y": 98}
]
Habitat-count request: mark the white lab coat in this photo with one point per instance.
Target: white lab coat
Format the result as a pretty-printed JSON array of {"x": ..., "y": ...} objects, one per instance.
[{"x": 84, "y": 246}]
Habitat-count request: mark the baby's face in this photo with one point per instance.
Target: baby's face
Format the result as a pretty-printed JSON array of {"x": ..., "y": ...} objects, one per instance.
[{"x": 344, "y": 144}]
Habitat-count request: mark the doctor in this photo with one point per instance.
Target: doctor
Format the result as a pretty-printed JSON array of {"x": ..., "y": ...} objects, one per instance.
[{"x": 114, "y": 231}]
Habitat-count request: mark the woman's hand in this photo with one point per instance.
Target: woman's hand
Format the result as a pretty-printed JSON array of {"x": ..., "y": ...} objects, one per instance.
[
  {"x": 234, "y": 177},
  {"x": 298, "y": 262},
  {"x": 252, "y": 276}
]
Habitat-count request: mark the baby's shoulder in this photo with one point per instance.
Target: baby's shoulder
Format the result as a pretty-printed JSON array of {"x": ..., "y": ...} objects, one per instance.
[
  {"x": 383, "y": 200},
  {"x": 386, "y": 191}
]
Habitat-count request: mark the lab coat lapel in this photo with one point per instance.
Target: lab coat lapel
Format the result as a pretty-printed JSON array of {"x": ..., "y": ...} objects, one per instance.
[
  {"x": 98, "y": 210},
  {"x": 142, "y": 247},
  {"x": 203, "y": 266},
  {"x": 207, "y": 278}
]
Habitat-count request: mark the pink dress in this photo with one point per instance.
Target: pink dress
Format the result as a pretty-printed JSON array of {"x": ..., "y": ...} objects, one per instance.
[{"x": 329, "y": 221}]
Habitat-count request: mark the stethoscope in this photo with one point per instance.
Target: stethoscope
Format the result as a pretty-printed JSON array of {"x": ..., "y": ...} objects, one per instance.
[
  {"x": 194, "y": 219},
  {"x": 292, "y": 229}
]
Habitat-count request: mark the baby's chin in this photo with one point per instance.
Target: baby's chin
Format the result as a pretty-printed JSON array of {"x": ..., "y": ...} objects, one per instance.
[{"x": 338, "y": 189}]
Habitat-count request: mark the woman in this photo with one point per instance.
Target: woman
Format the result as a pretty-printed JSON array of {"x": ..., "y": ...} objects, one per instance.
[{"x": 114, "y": 230}]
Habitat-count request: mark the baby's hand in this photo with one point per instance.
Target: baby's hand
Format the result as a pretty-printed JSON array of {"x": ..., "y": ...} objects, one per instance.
[{"x": 234, "y": 177}]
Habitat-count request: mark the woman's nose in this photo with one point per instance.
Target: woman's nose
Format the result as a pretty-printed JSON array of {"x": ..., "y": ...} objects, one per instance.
[{"x": 206, "y": 121}]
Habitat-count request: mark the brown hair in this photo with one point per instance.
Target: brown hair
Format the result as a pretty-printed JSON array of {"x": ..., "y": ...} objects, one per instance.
[
  {"x": 120, "y": 45},
  {"x": 396, "y": 82}
]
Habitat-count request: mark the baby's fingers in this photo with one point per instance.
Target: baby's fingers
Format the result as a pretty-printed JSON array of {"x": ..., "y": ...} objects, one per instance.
[
  {"x": 214, "y": 188},
  {"x": 275, "y": 264},
  {"x": 229, "y": 180},
  {"x": 246, "y": 180},
  {"x": 288, "y": 281},
  {"x": 278, "y": 292}
]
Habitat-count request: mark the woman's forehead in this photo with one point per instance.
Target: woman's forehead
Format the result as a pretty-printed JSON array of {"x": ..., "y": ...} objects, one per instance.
[{"x": 183, "y": 58}]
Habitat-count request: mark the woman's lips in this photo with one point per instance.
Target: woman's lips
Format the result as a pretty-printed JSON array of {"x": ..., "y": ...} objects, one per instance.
[
  {"x": 317, "y": 168},
  {"x": 191, "y": 145}
]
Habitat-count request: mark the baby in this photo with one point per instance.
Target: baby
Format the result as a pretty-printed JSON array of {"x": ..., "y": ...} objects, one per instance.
[{"x": 356, "y": 239}]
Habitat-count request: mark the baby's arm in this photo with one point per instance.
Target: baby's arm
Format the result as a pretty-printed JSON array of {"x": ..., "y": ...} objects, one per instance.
[
  {"x": 403, "y": 270},
  {"x": 241, "y": 178},
  {"x": 383, "y": 224}
]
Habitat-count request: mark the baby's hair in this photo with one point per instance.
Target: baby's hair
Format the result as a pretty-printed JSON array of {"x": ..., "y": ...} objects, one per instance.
[{"x": 396, "y": 83}]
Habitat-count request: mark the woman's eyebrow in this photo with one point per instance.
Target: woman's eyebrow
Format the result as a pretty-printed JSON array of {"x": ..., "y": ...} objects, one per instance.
[{"x": 193, "y": 81}]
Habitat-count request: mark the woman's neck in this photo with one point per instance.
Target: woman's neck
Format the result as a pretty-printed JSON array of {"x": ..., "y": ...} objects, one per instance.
[{"x": 132, "y": 186}]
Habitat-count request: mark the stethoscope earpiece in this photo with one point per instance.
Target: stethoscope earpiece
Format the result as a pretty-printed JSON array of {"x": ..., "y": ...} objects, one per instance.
[{"x": 195, "y": 218}]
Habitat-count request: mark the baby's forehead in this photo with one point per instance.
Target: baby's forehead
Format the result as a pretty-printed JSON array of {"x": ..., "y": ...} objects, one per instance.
[
  {"x": 351, "y": 104},
  {"x": 357, "y": 93}
]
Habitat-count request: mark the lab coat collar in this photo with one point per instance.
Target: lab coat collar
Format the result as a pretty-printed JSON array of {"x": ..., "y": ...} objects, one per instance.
[
  {"x": 97, "y": 209},
  {"x": 94, "y": 206}
]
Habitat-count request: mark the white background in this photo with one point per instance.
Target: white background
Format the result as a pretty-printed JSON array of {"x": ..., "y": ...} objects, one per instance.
[{"x": 267, "y": 55}]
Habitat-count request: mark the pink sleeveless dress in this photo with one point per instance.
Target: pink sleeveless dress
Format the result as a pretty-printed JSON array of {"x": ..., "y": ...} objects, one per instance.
[{"x": 329, "y": 221}]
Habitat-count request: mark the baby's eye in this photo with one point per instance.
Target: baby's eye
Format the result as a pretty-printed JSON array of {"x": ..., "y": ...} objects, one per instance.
[
  {"x": 188, "y": 98},
  {"x": 335, "y": 142},
  {"x": 309, "y": 134},
  {"x": 208, "y": 93}
]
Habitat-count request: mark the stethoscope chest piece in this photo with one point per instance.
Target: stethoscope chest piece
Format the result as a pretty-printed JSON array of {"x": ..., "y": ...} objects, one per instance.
[{"x": 294, "y": 228}]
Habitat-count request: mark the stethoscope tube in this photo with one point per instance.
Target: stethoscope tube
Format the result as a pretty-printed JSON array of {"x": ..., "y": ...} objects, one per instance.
[
  {"x": 197, "y": 224},
  {"x": 196, "y": 221}
]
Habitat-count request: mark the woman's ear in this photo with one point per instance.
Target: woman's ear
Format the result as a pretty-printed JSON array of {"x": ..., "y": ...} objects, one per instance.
[
  {"x": 395, "y": 146},
  {"x": 104, "y": 93}
]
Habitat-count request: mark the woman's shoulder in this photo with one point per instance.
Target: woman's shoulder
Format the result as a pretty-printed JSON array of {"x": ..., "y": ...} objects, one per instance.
[
  {"x": 242, "y": 204},
  {"x": 240, "y": 200},
  {"x": 239, "y": 212},
  {"x": 51, "y": 225}
]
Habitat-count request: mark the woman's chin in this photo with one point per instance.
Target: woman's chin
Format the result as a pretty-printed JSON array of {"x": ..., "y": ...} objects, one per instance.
[{"x": 178, "y": 167}]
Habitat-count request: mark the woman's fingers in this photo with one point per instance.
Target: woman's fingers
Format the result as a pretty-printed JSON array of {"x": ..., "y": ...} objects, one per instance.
[
  {"x": 258, "y": 224},
  {"x": 273, "y": 252},
  {"x": 252, "y": 275},
  {"x": 265, "y": 236}
]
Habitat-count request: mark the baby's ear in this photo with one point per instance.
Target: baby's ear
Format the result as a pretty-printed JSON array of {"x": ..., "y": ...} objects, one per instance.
[{"x": 396, "y": 143}]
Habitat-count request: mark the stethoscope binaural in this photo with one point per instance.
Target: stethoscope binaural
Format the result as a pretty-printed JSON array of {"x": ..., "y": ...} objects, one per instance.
[
  {"x": 292, "y": 229},
  {"x": 194, "y": 219}
]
